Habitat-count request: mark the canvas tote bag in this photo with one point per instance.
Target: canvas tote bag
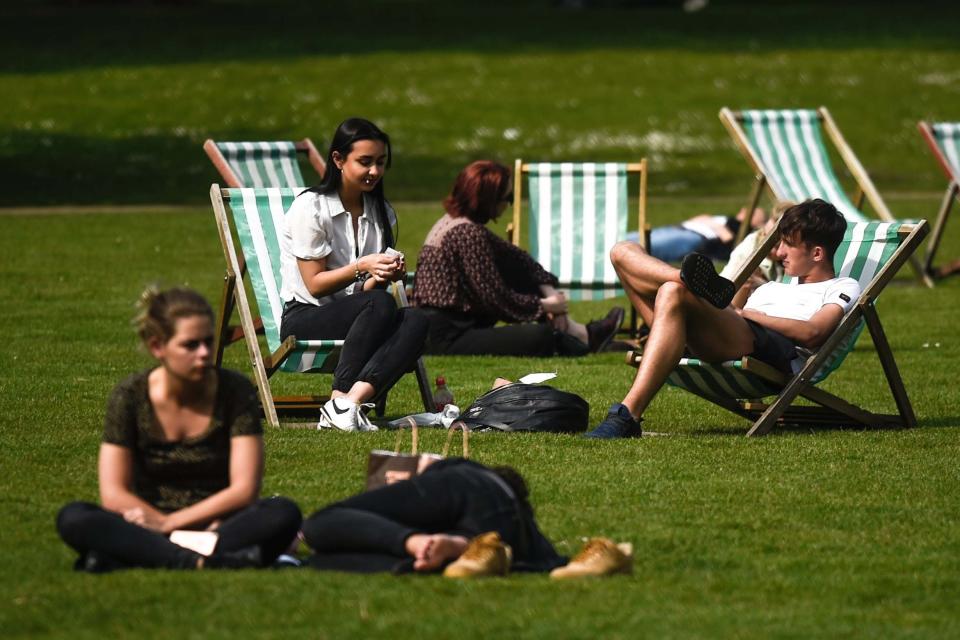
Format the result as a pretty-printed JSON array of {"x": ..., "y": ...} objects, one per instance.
[{"x": 386, "y": 467}]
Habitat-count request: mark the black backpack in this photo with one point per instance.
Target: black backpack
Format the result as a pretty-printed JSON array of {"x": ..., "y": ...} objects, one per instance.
[{"x": 528, "y": 407}]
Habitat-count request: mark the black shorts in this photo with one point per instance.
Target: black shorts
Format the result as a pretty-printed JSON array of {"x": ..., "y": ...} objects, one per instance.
[{"x": 772, "y": 347}]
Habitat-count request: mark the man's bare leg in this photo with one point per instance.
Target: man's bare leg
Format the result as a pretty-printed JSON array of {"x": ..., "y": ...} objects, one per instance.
[
  {"x": 682, "y": 319},
  {"x": 641, "y": 276},
  {"x": 679, "y": 318}
]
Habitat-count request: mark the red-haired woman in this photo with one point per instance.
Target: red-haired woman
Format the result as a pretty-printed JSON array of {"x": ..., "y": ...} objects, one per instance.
[{"x": 468, "y": 280}]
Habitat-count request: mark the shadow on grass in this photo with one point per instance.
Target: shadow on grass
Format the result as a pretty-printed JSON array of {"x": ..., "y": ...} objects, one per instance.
[
  {"x": 77, "y": 170},
  {"x": 65, "y": 170},
  {"x": 944, "y": 421},
  {"x": 62, "y": 37},
  {"x": 796, "y": 429}
]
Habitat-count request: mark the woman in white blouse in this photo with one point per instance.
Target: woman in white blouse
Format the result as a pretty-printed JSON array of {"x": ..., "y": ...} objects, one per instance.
[{"x": 337, "y": 258}]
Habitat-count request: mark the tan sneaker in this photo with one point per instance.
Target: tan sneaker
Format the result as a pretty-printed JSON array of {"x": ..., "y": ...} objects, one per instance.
[
  {"x": 599, "y": 557},
  {"x": 486, "y": 555}
]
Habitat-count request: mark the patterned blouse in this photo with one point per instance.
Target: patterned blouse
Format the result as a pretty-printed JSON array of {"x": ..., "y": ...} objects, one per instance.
[
  {"x": 465, "y": 267},
  {"x": 173, "y": 475}
]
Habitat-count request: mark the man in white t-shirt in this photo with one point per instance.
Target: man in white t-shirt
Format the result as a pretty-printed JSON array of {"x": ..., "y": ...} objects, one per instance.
[{"x": 689, "y": 308}]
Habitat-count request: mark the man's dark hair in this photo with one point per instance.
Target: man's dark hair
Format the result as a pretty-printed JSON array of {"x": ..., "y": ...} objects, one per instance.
[{"x": 814, "y": 223}]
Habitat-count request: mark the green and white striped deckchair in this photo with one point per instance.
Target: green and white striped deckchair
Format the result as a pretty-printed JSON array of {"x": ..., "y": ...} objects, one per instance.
[
  {"x": 871, "y": 252},
  {"x": 785, "y": 148},
  {"x": 263, "y": 164},
  {"x": 944, "y": 141},
  {"x": 257, "y": 219},
  {"x": 577, "y": 213}
]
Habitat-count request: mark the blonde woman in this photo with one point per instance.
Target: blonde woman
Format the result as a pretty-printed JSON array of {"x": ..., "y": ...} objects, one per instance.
[{"x": 182, "y": 449}]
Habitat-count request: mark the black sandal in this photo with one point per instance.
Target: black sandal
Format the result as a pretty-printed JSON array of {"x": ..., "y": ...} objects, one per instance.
[{"x": 703, "y": 281}]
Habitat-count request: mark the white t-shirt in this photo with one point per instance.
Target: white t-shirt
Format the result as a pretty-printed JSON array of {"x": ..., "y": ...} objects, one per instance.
[
  {"x": 801, "y": 301},
  {"x": 703, "y": 228},
  {"x": 317, "y": 226}
]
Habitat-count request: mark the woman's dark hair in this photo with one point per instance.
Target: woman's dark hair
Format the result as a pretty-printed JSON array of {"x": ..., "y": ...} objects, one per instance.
[
  {"x": 352, "y": 130},
  {"x": 158, "y": 311},
  {"x": 816, "y": 223},
  {"x": 478, "y": 191},
  {"x": 513, "y": 478}
]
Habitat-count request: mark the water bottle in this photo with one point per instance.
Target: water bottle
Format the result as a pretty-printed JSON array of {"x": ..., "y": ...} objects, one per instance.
[{"x": 442, "y": 396}]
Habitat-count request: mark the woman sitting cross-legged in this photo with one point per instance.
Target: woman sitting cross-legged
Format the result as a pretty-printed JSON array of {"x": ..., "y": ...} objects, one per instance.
[
  {"x": 182, "y": 450},
  {"x": 468, "y": 280}
]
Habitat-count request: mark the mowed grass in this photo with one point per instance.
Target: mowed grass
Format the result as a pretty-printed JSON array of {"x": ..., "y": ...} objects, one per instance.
[
  {"x": 111, "y": 104},
  {"x": 816, "y": 533},
  {"x": 821, "y": 533}
]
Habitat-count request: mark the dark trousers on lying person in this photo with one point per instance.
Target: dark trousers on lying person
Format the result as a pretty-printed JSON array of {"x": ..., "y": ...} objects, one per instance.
[
  {"x": 367, "y": 532},
  {"x": 271, "y": 524},
  {"x": 381, "y": 342}
]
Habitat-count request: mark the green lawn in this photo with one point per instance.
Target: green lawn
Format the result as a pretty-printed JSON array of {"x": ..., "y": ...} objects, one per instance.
[
  {"x": 111, "y": 103},
  {"x": 825, "y": 533}
]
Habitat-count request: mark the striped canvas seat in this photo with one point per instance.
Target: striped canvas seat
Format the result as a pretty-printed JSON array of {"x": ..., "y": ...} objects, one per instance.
[
  {"x": 263, "y": 164},
  {"x": 943, "y": 139},
  {"x": 256, "y": 217},
  {"x": 946, "y": 137},
  {"x": 786, "y": 148},
  {"x": 871, "y": 252},
  {"x": 577, "y": 213},
  {"x": 790, "y": 146}
]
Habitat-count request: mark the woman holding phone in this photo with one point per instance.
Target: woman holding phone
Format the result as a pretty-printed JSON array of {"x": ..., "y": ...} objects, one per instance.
[{"x": 337, "y": 258}]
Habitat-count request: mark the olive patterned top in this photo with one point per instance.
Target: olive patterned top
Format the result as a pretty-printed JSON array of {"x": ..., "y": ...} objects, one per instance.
[{"x": 173, "y": 475}]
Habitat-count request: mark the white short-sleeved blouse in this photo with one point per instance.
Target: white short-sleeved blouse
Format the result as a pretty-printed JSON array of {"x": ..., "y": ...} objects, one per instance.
[{"x": 317, "y": 226}]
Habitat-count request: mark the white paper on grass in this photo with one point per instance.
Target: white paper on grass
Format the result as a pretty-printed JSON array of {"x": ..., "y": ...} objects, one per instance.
[
  {"x": 537, "y": 378},
  {"x": 203, "y": 542}
]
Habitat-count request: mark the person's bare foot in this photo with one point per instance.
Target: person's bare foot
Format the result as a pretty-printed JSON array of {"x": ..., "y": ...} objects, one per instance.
[
  {"x": 432, "y": 551},
  {"x": 947, "y": 270}
]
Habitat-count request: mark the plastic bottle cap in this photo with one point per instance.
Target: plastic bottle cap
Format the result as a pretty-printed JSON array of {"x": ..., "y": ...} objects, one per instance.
[{"x": 441, "y": 381}]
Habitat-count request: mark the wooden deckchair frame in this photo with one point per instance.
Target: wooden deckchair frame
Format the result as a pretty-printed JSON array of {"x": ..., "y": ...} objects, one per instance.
[
  {"x": 234, "y": 296},
  {"x": 950, "y": 195},
  {"x": 733, "y": 120},
  {"x": 304, "y": 146},
  {"x": 830, "y": 409}
]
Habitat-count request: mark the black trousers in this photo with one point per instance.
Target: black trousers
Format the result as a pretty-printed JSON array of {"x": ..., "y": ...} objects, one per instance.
[
  {"x": 381, "y": 342},
  {"x": 454, "y": 333},
  {"x": 271, "y": 523},
  {"x": 367, "y": 533}
]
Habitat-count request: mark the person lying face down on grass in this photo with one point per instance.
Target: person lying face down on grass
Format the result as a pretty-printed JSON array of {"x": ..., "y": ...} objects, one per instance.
[
  {"x": 457, "y": 516},
  {"x": 182, "y": 450},
  {"x": 689, "y": 308},
  {"x": 469, "y": 280}
]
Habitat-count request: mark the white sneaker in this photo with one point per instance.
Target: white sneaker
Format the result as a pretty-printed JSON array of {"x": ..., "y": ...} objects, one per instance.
[
  {"x": 339, "y": 413},
  {"x": 363, "y": 422}
]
